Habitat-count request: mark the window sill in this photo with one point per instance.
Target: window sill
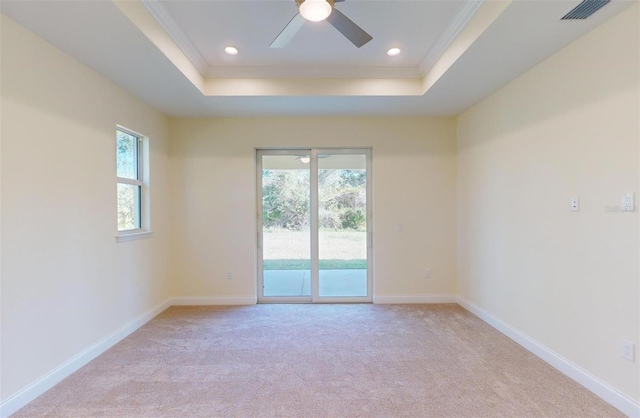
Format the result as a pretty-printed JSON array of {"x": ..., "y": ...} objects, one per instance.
[{"x": 133, "y": 236}]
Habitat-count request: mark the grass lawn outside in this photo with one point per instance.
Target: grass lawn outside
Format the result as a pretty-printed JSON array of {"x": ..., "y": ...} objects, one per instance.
[{"x": 290, "y": 250}]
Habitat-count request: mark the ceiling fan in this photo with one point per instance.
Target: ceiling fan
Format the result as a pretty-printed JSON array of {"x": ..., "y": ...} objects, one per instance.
[{"x": 318, "y": 10}]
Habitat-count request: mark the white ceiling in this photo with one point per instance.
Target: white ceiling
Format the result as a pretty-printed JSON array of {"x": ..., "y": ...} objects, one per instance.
[{"x": 169, "y": 52}]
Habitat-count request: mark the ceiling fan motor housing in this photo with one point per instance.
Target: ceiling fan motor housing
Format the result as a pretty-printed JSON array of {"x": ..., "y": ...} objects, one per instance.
[{"x": 331, "y": 2}]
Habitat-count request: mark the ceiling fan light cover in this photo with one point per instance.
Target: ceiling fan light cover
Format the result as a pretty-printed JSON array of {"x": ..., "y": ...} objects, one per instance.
[{"x": 315, "y": 10}]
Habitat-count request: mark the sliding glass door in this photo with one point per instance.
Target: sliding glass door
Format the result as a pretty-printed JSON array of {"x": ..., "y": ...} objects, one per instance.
[
  {"x": 314, "y": 222},
  {"x": 285, "y": 229},
  {"x": 342, "y": 225}
]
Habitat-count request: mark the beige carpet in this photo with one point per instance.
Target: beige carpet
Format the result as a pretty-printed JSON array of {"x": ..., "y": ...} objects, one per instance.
[{"x": 318, "y": 360}]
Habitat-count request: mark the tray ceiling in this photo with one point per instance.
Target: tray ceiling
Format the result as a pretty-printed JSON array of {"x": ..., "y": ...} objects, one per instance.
[{"x": 170, "y": 52}]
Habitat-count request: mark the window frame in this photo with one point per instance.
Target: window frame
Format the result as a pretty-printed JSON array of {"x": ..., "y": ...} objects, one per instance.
[{"x": 143, "y": 230}]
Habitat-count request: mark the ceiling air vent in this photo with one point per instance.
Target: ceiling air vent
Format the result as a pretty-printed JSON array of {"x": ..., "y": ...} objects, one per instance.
[{"x": 585, "y": 9}]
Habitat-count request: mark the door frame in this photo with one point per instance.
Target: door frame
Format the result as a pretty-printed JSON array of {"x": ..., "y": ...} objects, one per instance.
[{"x": 314, "y": 230}]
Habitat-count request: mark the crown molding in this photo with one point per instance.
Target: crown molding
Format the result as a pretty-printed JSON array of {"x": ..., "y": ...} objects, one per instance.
[
  {"x": 464, "y": 15},
  {"x": 173, "y": 30}
]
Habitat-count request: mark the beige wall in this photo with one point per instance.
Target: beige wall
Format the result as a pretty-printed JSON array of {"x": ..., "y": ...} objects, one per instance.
[
  {"x": 213, "y": 188},
  {"x": 66, "y": 283},
  {"x": 568, "y": 127}
]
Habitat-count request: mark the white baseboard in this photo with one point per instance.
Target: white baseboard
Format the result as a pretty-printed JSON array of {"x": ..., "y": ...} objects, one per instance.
[
  {"x": 214, "y": 300},
  {"x": 400, "y": 299},
  {"x": 618, "y": 400},
  {"x": 52, "y": 378}
]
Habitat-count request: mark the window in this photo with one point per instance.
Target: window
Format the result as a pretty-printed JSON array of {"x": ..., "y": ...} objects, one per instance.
[{"x": 131, "y": 192}]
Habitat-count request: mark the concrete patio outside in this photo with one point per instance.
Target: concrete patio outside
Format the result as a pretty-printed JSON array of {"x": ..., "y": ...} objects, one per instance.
[{"x": 332, "y": 283}]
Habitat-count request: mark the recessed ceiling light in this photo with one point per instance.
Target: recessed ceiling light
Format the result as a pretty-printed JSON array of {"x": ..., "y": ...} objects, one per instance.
[
  {"x": 393, "y": 52},
  {"x": 231, "y": 50}
]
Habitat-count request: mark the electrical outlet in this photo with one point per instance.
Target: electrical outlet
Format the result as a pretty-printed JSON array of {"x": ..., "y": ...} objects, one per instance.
[
  {"x": 427, "y": 273},
  {"x": 399, "y": 226},
  {"x": 627, "y": 202},
  {"x": 628, "y": 350},
  {"x": 229, "y": 275},
  {"x": 575, "y": 204}
]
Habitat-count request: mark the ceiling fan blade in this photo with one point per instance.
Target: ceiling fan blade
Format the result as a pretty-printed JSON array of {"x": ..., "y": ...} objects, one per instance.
[
  {"x": 288, "y": 32},
  {"x": 350, "y": 30}
]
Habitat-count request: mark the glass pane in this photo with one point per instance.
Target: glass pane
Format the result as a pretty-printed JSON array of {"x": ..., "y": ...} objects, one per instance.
[
  {"x": 127, "y": 155},
  {"x": 286, "y": 243},
  {"x": 342, "y": 216},
  {"x": 128, "y": 207}
]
